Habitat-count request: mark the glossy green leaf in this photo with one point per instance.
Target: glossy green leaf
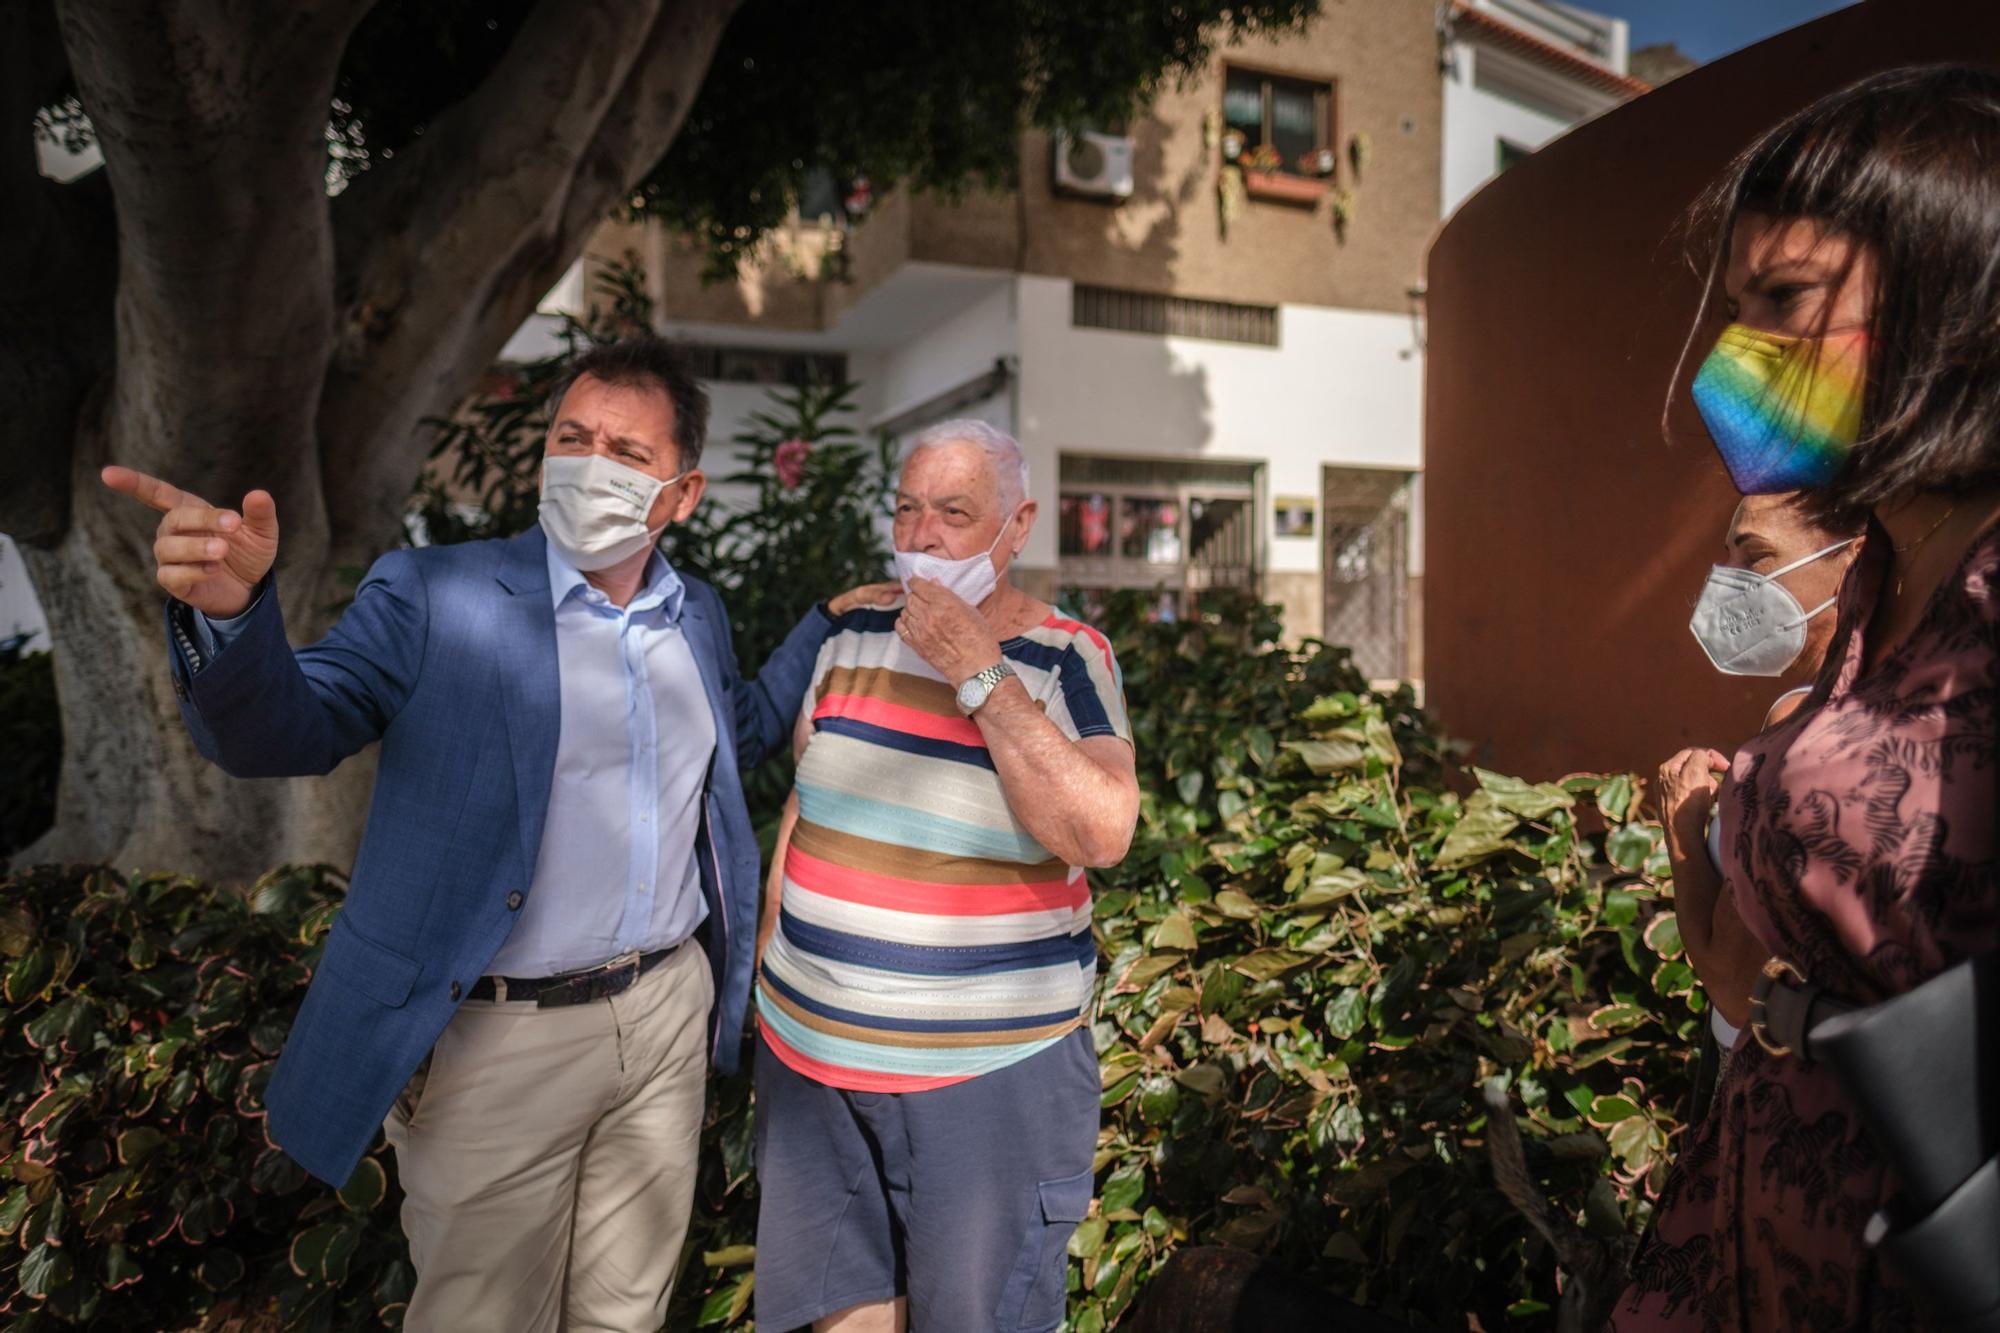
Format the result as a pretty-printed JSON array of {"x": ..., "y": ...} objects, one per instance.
[
  {"x": 1663, "y": 935},
  {"x": 1482, "y": 831},
  {"x": 1150, "y": 968},
  {"x": 1175, "y": 932},
  {"x": 1614, "y": 798},
  {"x": 1088, "y": 1238},
  {"x": 1528, "y": 801},
  {"x": 1233, "y": 904},
  {"x": 121, "y": 1270},
  {"x": 1122, "y": 1188},
  {"x": 1629, "y": 846},
  {"x": 366, "y": 1188},
  {"x": 44, "y": 1270},
  {"x": 13, "y": 1209},
  {"x": 27, "y": 976},
  {"x": 1328, "y": 756},
  {"x": 1347, "y": 1012},
  {"x": 1264, "y": 964},
  {"x": 135, "y": 1145},
  {"x": 1608, "y": 1111}
]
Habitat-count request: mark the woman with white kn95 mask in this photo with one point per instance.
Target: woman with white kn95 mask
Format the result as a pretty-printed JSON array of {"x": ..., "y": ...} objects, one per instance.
[{"x": 1766, "y": 610}]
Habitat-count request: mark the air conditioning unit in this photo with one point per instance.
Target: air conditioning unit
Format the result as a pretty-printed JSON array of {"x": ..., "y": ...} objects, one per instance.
[{"x": 1097, "y": 166}]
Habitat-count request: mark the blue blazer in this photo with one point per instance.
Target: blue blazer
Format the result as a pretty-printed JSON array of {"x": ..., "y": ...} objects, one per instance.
[{"x": 448, "y": 658}]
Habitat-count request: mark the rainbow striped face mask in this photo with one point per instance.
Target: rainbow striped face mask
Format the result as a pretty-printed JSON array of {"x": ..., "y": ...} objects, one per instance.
[{"x": 1784, "y": 412}]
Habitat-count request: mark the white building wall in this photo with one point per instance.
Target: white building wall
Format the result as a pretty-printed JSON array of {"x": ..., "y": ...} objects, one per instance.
[
  {"x": 961, "y": 347},
  {"x": 20, "y": 611},
  {"x": 1475, "y": 120},
  {"x": 1343, "y": 388}
]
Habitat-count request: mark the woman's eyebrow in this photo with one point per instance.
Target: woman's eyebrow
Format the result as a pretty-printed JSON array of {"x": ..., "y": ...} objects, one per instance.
[{"x": 1812, "y": 266}]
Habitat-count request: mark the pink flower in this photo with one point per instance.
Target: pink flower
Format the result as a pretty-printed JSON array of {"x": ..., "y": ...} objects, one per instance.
[{"x": 790, "y": 462}]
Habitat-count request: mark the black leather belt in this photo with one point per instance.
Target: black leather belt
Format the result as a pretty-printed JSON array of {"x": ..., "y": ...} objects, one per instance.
[
  {"x": 592, "y": 983},
  {"x": 1785, "y": 1008}
]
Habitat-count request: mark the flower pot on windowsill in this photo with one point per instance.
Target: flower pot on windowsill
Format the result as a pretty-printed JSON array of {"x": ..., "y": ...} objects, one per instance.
[{"x": 1278, "y": 187}]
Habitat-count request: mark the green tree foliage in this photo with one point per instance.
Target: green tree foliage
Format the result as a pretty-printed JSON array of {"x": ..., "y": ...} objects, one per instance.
[
  {"x": 933, "y": 95},
  {"x": 906, "y": 91}
]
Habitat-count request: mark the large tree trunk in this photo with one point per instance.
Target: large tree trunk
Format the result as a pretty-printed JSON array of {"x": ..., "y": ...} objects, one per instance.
[
  {"x": 245, "y": 331},
  {"x": 133, "y": 790}
]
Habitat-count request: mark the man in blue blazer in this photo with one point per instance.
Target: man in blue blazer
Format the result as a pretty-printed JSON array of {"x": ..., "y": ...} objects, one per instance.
[{"x": 548, "y": 938}]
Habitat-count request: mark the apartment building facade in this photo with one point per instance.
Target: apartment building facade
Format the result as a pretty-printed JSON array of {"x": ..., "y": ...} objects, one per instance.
[{"x": 1206, "y": 329}]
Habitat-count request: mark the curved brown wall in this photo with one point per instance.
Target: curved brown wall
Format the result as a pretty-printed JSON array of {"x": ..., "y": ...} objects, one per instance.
[{"x": 1565, "y": 541}]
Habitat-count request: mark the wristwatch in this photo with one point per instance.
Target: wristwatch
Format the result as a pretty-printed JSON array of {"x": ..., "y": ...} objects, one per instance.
[{"x": 973, "y": 694}]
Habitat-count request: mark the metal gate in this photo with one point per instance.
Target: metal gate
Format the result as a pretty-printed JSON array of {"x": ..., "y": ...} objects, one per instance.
[{"x": 1367, "y": 568}]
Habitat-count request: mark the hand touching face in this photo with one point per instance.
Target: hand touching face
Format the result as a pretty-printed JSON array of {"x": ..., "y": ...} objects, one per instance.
[{"x": 947, "y": 633}]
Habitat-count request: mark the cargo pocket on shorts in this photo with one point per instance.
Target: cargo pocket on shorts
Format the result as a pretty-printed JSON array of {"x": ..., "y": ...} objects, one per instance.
[{"x": 1033, "y": 1296}]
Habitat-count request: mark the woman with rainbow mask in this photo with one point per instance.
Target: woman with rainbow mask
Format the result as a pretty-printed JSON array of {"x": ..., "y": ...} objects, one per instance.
[{"x": 1856, "y": 249}]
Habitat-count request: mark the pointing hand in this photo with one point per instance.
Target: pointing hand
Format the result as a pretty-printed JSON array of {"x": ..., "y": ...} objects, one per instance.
[{"x": 210, "y": 558}]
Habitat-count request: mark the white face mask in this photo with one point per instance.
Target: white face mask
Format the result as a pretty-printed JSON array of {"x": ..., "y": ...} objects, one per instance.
[
  {"x": 972, "y": 578},
  {"x": 1748, "y": 624},
  {"x": 594, "y": 510}
]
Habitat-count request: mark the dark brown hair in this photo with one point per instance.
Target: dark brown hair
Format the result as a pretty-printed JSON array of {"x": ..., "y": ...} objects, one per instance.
[
  {"x": 652, "y": 362},
  {"x": 1907, "y": 163}
]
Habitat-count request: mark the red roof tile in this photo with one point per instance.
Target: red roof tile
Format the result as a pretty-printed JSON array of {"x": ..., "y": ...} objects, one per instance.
[{"x": 1506, "y": 36}]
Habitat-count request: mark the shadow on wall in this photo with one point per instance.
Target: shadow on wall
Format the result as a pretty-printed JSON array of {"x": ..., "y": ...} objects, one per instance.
[{"x": 1566, "y": 541}]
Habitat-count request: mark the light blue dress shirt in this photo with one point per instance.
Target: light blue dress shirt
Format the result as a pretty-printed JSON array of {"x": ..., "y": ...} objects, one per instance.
[{"x": 617, "y": 871}]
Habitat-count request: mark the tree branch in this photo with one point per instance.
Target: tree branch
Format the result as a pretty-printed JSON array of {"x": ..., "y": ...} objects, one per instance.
[{"x": 445, "y": 254}]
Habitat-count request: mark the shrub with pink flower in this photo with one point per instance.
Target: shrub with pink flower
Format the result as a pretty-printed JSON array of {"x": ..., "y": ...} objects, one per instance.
[{"x": 790, "y": 462}]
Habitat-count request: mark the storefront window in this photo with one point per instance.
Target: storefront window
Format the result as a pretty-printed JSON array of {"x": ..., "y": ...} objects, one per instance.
[
  {"x": 1150, "y": 530},
  {"x": 1085, "y": 524}
]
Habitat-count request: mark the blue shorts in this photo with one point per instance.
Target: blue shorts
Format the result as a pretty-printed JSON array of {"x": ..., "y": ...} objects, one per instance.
[{"x": 962, "y": 1198}]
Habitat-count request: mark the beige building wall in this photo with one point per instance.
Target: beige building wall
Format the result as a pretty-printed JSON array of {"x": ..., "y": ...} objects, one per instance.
[
  {"x": 1324, "y": 396},
  {"x": 1381, "y": 58}
]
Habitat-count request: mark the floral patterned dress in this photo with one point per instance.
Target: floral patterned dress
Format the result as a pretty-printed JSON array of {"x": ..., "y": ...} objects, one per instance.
[{"x": 1859, "y": 839}]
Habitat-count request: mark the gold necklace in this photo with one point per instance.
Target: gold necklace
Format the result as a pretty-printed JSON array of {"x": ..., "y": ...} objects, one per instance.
[{"x": 1918, "y": 543}]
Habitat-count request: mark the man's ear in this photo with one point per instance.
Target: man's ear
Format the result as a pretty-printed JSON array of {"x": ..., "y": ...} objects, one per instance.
[
  {"x": 1025, "y": 517},
  {"x": 693, "y": 487}
]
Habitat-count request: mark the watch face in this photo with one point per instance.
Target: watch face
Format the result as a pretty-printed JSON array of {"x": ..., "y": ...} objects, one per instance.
[{"x": 972, "y": 694}]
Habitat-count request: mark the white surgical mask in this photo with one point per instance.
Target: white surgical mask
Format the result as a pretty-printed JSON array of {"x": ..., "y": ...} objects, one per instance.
[
  {"x": 972, "y": 578},
  {"x": 594, "y": 509},
  {"x": 1748, "y": 624}
]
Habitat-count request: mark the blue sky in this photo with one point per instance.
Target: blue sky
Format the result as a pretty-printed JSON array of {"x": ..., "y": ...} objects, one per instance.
[{"x": 1706, "y": 29}]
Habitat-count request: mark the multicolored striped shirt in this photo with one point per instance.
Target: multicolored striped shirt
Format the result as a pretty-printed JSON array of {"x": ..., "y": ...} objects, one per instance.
[{"x": 925, "y": 937}]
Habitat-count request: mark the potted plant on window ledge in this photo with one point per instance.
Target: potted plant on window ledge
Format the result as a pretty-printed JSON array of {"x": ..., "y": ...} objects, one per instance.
[{"x": 1265, "y": 177}]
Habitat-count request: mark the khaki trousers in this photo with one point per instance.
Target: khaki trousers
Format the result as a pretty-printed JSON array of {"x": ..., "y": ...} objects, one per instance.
[{"x": 548, "y": 1158}]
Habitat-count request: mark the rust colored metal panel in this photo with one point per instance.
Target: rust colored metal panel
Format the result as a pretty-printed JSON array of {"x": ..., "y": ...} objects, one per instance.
[{"x": 1566, "y": 541}]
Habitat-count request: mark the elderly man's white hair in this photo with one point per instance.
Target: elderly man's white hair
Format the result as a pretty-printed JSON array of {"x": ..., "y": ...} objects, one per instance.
[{"x": 1010, "y": 465}]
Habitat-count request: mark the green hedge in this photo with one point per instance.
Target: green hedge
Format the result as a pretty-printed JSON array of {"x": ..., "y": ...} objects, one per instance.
[
  {"x": 1316, "y": 956},
  {"x": 1323, "y": 945},
  {"x": 142, "y": 1016}
]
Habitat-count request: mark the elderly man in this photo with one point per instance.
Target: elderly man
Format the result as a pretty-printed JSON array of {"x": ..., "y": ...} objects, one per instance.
[
  {"x": 548, "y": 936},
  {"x": 927, "y": 1093}
]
